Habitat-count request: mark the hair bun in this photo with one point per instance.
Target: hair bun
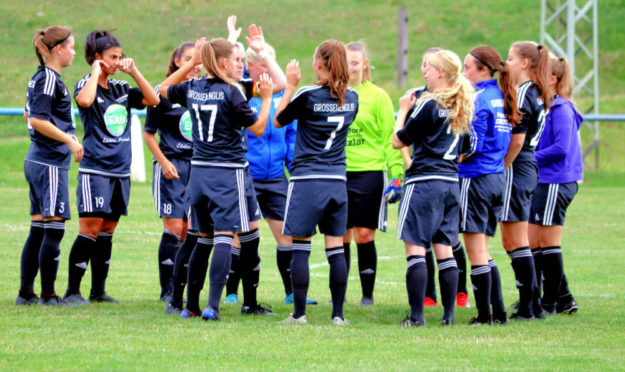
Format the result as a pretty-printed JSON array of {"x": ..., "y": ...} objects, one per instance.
[{"x": 540, "y": 47}]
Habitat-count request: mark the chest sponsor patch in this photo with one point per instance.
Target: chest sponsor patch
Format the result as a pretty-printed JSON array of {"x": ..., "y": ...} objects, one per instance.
[
  {"x": 116, "y": 119},
  {"x": 186, "y": 126}
]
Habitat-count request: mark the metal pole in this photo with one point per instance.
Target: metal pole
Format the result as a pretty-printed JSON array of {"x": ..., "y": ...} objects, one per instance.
[{"x": 402, "y": 46}]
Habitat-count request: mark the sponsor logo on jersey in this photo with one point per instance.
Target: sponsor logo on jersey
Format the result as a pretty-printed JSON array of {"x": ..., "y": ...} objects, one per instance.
[
  {"x": 186, "y": 126},
  {"x": 122, "y": 99},
  {"x": 100, "y": 100},
  {"x": 116, "y": 119}
]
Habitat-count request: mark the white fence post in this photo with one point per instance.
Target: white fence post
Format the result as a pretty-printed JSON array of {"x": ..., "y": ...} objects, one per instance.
[{"x": 137, "y": 167}]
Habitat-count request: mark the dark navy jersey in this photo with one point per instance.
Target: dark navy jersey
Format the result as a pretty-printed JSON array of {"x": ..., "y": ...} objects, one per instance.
[
  {"x": 418, "y": 91},
  {"x": 435, "y": 147},
  {"x": 249, "y": 92},
  {"x": 322, "y": 128},
  {"x": 219, "y": 113},
  {"x": 532, "y": 123},
  {"x": 47, "y": 98},
  {"x": 107, "y": 128},
  {"x": 174, "y": 126}
]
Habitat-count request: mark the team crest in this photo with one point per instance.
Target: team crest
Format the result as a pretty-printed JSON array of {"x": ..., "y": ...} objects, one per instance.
[
  {"x": 116, "y": 119},
  {"x": 186, "y": 126}
]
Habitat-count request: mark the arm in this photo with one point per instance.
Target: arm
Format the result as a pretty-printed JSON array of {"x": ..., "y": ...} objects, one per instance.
[
  {"x": 265, "y": 90},
  {"x": 561, "y": 121},
  {"x": 293, "y": 76},
  {"x": 150, "y": 98},
  {"x": 180, "y": 75},
  {"x": 405, "y": 104},
  {"x": 516, "y": 144},
  {"x": 256, "y": 41},
  {"x": 169, "y": 169},
  {"x": 51, "y": 131},
  {"x": 291, "y": 132},
  {"x": 405, "y": 153},
  {"x": 87, "y": 94}
]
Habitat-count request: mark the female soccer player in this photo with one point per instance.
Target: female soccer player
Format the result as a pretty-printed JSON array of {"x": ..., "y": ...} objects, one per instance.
[
  {"x": 104, "y": 172},
  {"x": 429, "y": 210},
  {"x": 317, "y": 193},
  {"x": 51, "y": 128},
  {"x": 560, "y": 166},
  {"x": 172, "y": 162},
  {"x": 529, "y": 65},
  {"x": 369, "y": 154},
  {"x": 482, "y": 172},
  {"x": 217, "y": 185}
]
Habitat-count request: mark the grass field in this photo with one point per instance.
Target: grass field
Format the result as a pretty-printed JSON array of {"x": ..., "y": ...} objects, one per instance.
[{"x": 137, "y": 335}]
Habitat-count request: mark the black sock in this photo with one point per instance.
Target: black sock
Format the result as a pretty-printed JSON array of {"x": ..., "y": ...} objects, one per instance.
[
  {"x": 416, "y": 278},
  {"x": 448, "y": 279},
  {"x": 250, "y": 266},
  {"x": 166, "y": 256},
  {"x": 538, "y": 267},
  {"x": 180, "y": 268},
  {"x": 553, "y": 271},
  {"x": 219, "y": 269},
  {"x": 234, "y": 276},
  {"x": 29, "y": 264},
  {"x": 461, "y": 261},
  {"x": 100, "y": 262},
  {"x": 482, "y": 282},
  {"x": 565, "y": 294},
  {"x": 79, "y": 257},
  {"x": 430, "y": 289},
  {"x": 338, "y": 279},
  {"x": 348, "y": 256},
  {"x": 196, "y": 273},
  {"x": 50, "y": 255},
  {"x": 368, "y": 266},
  {"x": 300, "y": 276},
  {"x": 496, "y": 296},
  {"x": 284, "y": 254},
  {"x": 522, "y": 262}
]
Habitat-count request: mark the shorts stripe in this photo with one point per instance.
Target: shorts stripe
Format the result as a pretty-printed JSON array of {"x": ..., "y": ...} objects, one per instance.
[
  {"x": 403, "y": 209},
  {"x": 288, "y": 200},
  {"x": 53, "y": 179},
  {"x": 382, "y": 214},
  {"x": 507, "y": 194},
  {"x": 245, "y": 227},
  {"x": 157, "y": 187},
  {"x": 86, "y": 194},
  {"x": 550, "y": 207},
  {"x": 464, "y": 200}
]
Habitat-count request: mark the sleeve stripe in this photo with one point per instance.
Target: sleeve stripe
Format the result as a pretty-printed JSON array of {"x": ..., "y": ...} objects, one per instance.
[
  {"x": 305, "y": 89},
  {"x": 420, "y": 107},
  {"x": 521, "y": 93},
  {"x": 50, "y": 83}
]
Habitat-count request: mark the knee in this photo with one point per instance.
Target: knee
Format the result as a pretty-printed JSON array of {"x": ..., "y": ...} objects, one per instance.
[{"x": 363, "y": 235}]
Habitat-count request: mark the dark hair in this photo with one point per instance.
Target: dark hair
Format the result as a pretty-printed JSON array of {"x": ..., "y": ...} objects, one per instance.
[
  {"x": 177, "y": 54},
  {"x": 359, "y": 46},
  {"x": 538, "y": 57},
  {"x": 97, "y": 42},
  {"x": 212, "y": 51},
  {"x": 333, "y": 55},
  {"x": 45, "y": 40},
  {"x": 487, "y": 57}
]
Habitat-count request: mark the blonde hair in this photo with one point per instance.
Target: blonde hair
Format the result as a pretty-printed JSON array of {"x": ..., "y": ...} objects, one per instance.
[
  {"x": 559, "y": 68},
  {"x": 458, "y": 97},
  {"x": 359, "y": 46},
  {"x": 252, "y": 56}
]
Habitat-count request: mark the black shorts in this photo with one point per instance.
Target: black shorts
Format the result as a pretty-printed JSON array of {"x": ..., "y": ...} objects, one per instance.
[
  {"x": 481, "y": 199},
  {"x": 49, "y": 190},
  {"x": 170, "y": 197},
  {"x": 550, "y": 202},
  {"x": 366, "y": 206},
  {"x": 271, "y": 196},
  {"x": 102, "y": 196},
  {"x": 521, "y": 181}
]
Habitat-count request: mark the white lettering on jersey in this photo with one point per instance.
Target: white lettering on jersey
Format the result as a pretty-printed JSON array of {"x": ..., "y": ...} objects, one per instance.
[{"x": 333, "y": 107}]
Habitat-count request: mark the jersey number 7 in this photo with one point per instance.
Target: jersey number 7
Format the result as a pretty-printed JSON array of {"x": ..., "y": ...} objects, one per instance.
[{"x": 334, "y": 119}]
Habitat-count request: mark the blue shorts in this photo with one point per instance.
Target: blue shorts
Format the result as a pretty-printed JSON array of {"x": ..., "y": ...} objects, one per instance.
[
  {"x": 521, "y": 180},
  {"x": 481, "y": 199},
  {"x": 271, "y": 196},
  {"x": 366, "y": 205},
  {"x": 102, "y": 196},
  {"x": 550, "y": 202},
  {"x": 170, "y": 198},
  {"x": 49, "y": 190},
  {"x": 429, "y": 212},
  {"x": 316, "y": 202},
  {"x": 218, "y": 199},
  {"x": 253, "y": 210}
]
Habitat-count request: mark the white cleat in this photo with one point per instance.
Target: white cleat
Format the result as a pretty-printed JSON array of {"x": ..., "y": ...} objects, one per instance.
[
  {"x": 291, "y": 320},
  {"x": 339, "y": 321}
]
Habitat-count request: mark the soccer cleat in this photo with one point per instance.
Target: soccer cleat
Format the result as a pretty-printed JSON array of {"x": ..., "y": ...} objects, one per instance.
[
  {"x": 232, "y": 298},
  {"x": 408, "y": 322},
  {"x": 258, "y": 309},
  {"x": 102, "y": 298},
  {"x": 288, "y": 299},
  {"x": 311, "y": 301},
  {"x": 462, "y": 300},
  {"x": 448, "y": 322},
  {"x": 337, "y": 320},
  {"x": 568, "y": 307},
  {"x": 429, "y": 302},
  {"x": 291, "y": 320},
  {"x": 171, "y": 309},
  {"x": 519, "y": 316},
  {"x": 76, "y": 299},
  {"x": 186, "y": 313},
  {"x": 514, "y": 307},
  {"x": 500, "y": 318},
  {"x": 55, "y": 300},
  {"x": 366, "y": 301},
  {"x": 166, "y": 297},
  {"x": 210, "y": 313},
  {"x": 24, "y": 299},
  {"x": 478, "y": 321}
]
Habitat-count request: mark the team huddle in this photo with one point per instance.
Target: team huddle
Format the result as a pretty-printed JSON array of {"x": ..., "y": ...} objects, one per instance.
[{"x": 486, "y": 142}]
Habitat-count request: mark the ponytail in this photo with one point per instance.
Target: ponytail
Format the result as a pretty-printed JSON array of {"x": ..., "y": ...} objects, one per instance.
[
  {"x": 97, "y": 42},
  {"x": 45, "y": 40},
  {"x": 177, "y": 54},
  {"x": 538, "y": 57},
  {"x": 561, "y": 70},
  {"x": 212, "y": 51},
  {"x": 334, "y": 58},
  {"x": 508, "y": 89}
]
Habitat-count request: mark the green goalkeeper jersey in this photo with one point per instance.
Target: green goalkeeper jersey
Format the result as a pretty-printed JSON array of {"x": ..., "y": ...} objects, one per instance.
[{"x": 369, "y": 142}]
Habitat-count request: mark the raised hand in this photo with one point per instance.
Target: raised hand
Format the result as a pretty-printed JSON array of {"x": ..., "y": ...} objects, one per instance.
[
  {"x": 293, "y": 73},
  {"x": 127, "y": 65},
  {"x": 197, "y": 51},
  {"x": 96, "y": 66},
  {"x": 255, "y": 40},
  {"x": 265, "y": 86},
  {"x": 233, "y": 32},
  {"x": 406, "y": 102}
]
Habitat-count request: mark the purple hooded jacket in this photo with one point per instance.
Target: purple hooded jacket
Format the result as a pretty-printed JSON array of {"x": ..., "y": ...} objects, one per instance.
[{"x": 559, "y": 153}]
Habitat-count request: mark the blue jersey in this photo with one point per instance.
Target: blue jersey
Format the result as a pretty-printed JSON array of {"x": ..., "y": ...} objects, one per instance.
[
  {"x": 269, "y": 154},
  {"x": 47, "y": 98},
  {"x": 219, "y": 112},
  {"x": 322, "y": 132},
  {"x": 435, "y": 147},
  {"x": 106, "y": 143},
  {"x": 174, "y": 126},
  {"x": 489, "y": 133},
  {"x": 532, "y": 122}
]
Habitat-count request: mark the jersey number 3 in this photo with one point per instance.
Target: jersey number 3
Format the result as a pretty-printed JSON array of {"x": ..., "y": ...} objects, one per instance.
[{"x": 211, "y": 122}]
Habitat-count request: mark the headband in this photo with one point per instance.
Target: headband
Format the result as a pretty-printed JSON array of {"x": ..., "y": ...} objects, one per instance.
[
  {"x": 60, "y": 41},
  {"x": 484, "y": 63}
]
